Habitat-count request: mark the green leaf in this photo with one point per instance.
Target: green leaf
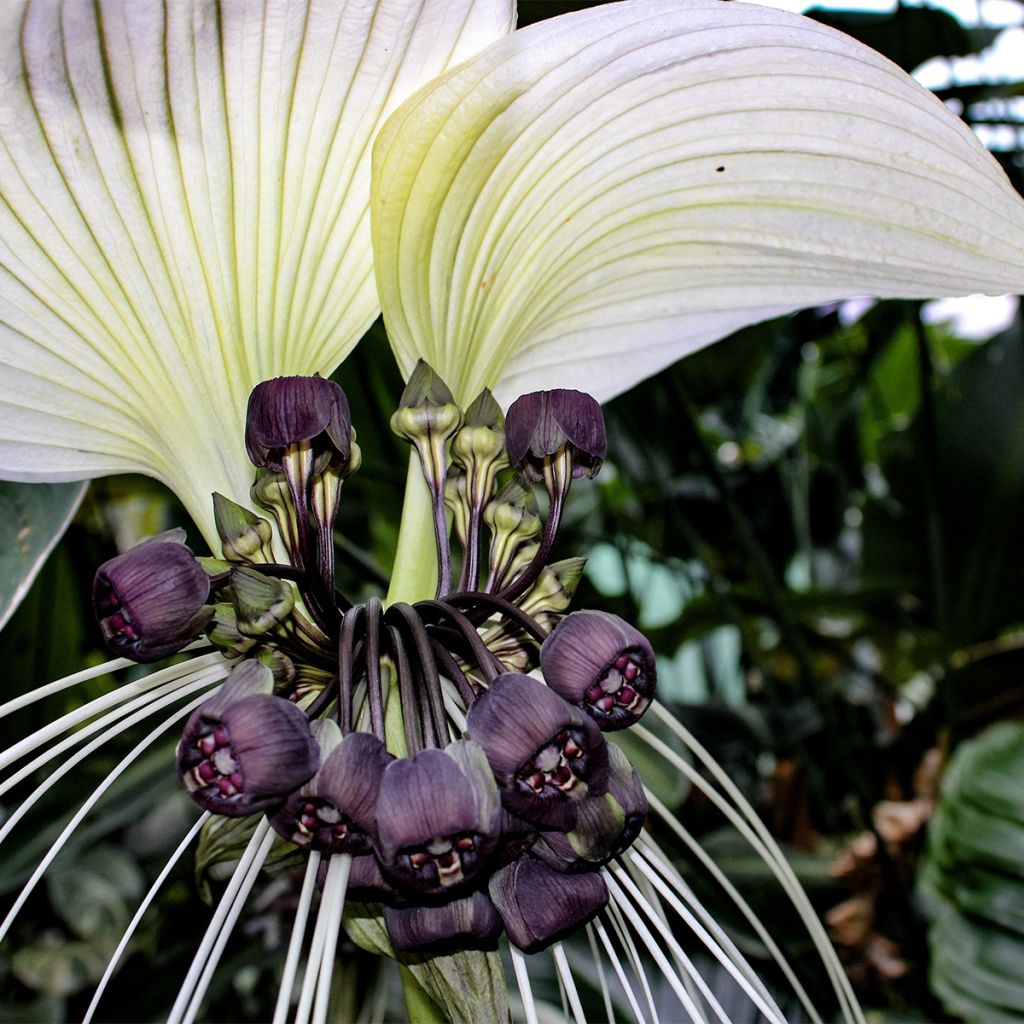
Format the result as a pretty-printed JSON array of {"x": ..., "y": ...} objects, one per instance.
[
  {"x": 33, "y": 517},
  {"x": 97, "y": 893},
  {"x": 57, "y": 967}
]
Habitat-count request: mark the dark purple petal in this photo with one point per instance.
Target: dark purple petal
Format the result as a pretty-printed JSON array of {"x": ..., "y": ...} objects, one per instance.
[
  {"x": 288, "y": 410},
  {"x": 539, "y": 906},
  {"x": 246, "y": 757},
  {"x": 467, "y": 923},
  {"x": 336, "y": 811},
  {"x": 546, "y": 754},
  {"x": 603, "y": 665},
  {"x": 436, "y": 824},
  {"x": 151, "y": 601},
  {"x": 605, "y": 826},
  {"x": 543, "y": 422},
  {"x": 366, "y": 884}
]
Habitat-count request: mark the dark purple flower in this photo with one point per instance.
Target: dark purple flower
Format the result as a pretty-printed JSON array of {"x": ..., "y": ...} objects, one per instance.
[
  {"x": 541, "y": 423},
  {"x": 605, "y": 825},
  {"x": 245, "y": 750},
  {"x": 286, "y": 411},
  {"x": 336, "y": 810},
  {"x": 602, "y": 664},
  {"x": 151, "y": 601},
  {"x": 539, "y": 906},
  {"x": 467, "y": 923},
  {"x": 546, "y": 754},
  {"x": 438, "y": 818}
]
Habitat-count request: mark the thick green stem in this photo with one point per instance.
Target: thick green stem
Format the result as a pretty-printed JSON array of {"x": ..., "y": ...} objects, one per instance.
[
  {"x": 420, "y": 1007},
  {"x": 414, "y": 577}
]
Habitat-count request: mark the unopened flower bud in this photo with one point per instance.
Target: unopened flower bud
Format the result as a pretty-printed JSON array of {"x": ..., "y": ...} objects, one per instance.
[
  {"x": 543, "y": 423},
  {"x": 261, "y": 602},
  {"x": 546, "y": 754},
  {"x": 291, "y": 411},
  {"x": 244, "y": 749},
  {"x": 427, "y": 409},
  {"x": 245, "y": 536},
  {"x": 602, "y": 664},
  {"x": 151, "y": 601},
  {"x": 539, "y": 906},
  {"x": 467, "y": 923},
  {"x": 438, "y": 818}
]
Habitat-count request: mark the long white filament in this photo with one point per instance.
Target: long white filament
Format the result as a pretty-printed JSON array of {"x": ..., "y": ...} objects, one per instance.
[
  {"x": 207, "y": 956},
  {"x": 602, "y": 980},
  {"x": 291, "y": 963},
  {"x": 85, "y": 731},
  {"x": 87, "y": 806},
  {"x": 674, "y": 889},
  {"x": 606, "y": 941},
  {"x": 118, "y": 696},
  {"x": 650, "y": 912},
  {"x": 624, "y": 905},
  {"x": 525, "y": 989},
  {"x": 317, "y": 981},
  {"x": 52, "y": 779},
  {"x": 562, "y": 966},
  {"x": 143, "y": 907},
  {"x": 614, "y": 915},
  {"x": 332, "y": 906},
  {"x": 42, "y": 692},
  {"x": 773, "y": 856}
]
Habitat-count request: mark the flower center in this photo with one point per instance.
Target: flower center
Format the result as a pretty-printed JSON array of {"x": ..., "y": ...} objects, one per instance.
[
  {"x": 442, "y": 860},
  {"x": 219, "y": 767},
  {"x": 557, "y": 767},
  {"x": 619, "y": 686}
]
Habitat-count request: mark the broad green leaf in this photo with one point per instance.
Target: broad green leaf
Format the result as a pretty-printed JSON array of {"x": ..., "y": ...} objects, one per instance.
[
  {"x": 59, "y": 967},
  {"x": 97, "y": 893},
  {"x": 32, "y": 519},
  {"x": 185, "y": 193},
  {"x": 600, "y": 194}
]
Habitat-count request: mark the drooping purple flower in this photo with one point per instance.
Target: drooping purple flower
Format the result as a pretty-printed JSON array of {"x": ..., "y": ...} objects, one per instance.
[
  {"x": 244, "y": 749},
  {"x": 541, "y": 423},
  {"x": 438, "y": 818},
  {"x": 602, "y": 664},
  {"x": 605, "y": 825},
  {"x": 151, "y": 601},
  {"x": 467, "y": 923},
  {"x": 539, "y": 906},
  {"x": 286, "y": 411},
  {"x": 546, "y": 754},
  {"x": 336, "y": 810}
]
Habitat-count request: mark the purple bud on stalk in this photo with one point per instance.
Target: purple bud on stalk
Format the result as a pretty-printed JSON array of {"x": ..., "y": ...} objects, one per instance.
[
  {"x": 287, "y": 411},
  {"x": 539, "y": 906},
  {"x": 151, "y": 601},
  {"x": 600, "y": 663},
  {"x": 438, "y": 818},
  {"x": 467, "y": 923},
  {"x": 546, "y": 754},
  {"x": 542, "y": 423},
  {"x": 243, "y": 751}
]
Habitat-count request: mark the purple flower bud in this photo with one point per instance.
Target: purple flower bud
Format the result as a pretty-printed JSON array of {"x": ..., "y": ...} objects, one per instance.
[
  {"x": 539, "y": 906},
  {"x": 602, "y": 664},
  {"x": 336, "y": 811},
  {"x": 151, "y": 601},
  {"x": 467, "y": 923},
  {"x": 605, "y": 826},
  {"x": 242, "y": 751},
  {"x": 546, "y": 754},
  {"x": 543, "y": 422},
  {"x": 286, "y": 411},
  {"x": 438, "y": 818}
]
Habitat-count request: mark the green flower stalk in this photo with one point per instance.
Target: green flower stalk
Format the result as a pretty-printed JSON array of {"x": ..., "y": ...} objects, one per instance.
[{"x": 200, "y": 199}]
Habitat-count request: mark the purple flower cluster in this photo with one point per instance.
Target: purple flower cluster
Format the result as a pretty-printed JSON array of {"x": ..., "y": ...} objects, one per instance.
[{"x": 496, "y": 820}]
